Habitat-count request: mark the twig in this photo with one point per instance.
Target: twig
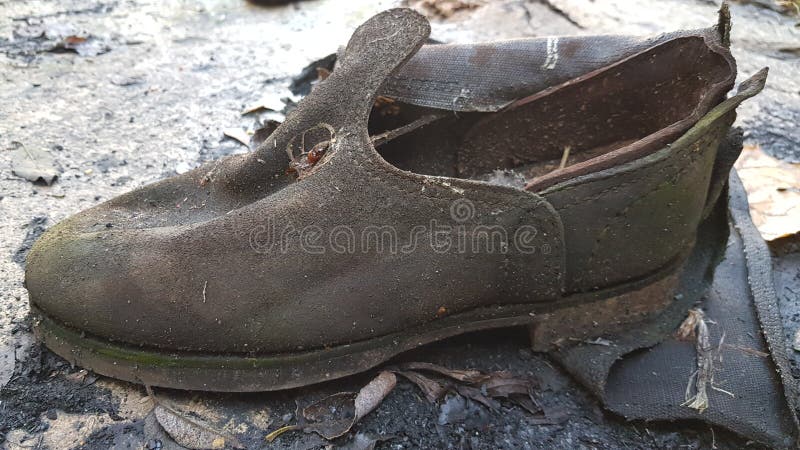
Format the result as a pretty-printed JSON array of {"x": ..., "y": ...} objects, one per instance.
[{"x": 564, "y": 157}]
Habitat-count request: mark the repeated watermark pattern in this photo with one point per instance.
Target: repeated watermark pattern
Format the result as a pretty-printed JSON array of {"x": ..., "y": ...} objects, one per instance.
[{"x": 458, "y": 235}]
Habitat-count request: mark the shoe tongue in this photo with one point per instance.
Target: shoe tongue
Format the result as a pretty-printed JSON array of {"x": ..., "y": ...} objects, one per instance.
[{"x": 377, "y": 49}]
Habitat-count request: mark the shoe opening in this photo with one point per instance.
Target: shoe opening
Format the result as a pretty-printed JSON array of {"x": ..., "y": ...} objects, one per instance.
[{"x": 608, "y": 116}]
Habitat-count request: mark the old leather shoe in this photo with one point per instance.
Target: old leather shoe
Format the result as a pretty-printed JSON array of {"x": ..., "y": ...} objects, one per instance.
[{"x": 511, "y": 179}]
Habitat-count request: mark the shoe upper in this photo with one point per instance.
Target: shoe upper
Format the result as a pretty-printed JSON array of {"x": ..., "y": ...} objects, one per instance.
[{"x": 244, "y": 255}]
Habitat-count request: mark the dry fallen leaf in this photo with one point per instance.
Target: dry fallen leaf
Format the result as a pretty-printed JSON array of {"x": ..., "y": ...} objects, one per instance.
[
  {"x": 268, "y": 102},
  {"x": 505, "y": 384},
  {"x": 190, "y": 432},
  {"x": 480, "y": 387},
  {"x": 467, "y": 376},
  {"x": 371, "y": 395},
  {"x": 332, "y": 416},
  {"x": 432, "y": 389},
  {"x": 34, "y": 165},
  {"x": 335, "y": 415},
  {"x": 238, "y": 134},
  {"x": 773, "y": 191}
]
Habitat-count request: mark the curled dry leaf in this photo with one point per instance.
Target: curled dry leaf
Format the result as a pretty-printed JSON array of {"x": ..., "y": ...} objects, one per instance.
[
  {"x": 432, "y": 389},
  {"x": 480, "y": 387},
  {"x": 335, "y": 415},
  {"x": 268, "y": 102},
  {"x": 190, "y": 432},
  {"x": 773, "y": 191},
  {"x": 467, "y": 376},
  {"x": 475, "y": 394},
  {"x": 237, "y": 134},
  {"x": 371, "y": 395},
  {"x": 332, "y": 416},
  {"x": 505, "y": 384},
  {"x": 34, "y": 165}
]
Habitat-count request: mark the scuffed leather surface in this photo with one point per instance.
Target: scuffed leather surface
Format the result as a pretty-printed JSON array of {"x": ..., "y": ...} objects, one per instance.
[
  {"x": 139, "y": 269},
  {"x": 630, "y": 220},
  {"x": 193, "y": 280}
]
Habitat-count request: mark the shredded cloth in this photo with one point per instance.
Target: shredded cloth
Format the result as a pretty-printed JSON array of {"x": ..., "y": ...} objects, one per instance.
[{"x": 721, "y": 357}]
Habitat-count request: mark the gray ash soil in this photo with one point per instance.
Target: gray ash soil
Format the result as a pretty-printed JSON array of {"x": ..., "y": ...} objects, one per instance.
[
  {"x": 405, "y": 419},
  {"x": 167, "y": 79},
  {"x": 40, "y": 388}
]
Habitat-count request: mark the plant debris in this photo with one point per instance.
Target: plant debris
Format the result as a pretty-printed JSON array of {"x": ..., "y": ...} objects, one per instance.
[
  {"x": 273, "y": 103},
  {"x": 773, "y": 191},
  {"x": 335, "y": 415},
  {"x": 686, "y": 331},
  {"x": 238, "y": 134},
  {"x": 483, "y": 388},
  {"x": 190, "y": 432},
  {"x": 702, "y": 378},
  {"x": 34, "y": 164},
  {"x": 311, "y": 74}
]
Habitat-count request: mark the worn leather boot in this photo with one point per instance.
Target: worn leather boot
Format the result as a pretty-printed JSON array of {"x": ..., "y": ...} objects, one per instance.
[{"x": 419, "y": 192}]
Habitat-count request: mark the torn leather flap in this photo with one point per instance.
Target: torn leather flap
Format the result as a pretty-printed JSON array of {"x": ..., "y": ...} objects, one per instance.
[
  {"x": 748, "y": 388},
  {"x": 375, "y": 50},
  {"x": 344, "y": 100},
  {"x": 489, "y": 76}
]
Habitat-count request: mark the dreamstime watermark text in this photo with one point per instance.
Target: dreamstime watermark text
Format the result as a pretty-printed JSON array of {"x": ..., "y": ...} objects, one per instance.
[{"x": 458, "y": 235}]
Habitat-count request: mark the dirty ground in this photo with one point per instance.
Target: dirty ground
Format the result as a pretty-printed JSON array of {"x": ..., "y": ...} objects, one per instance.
[{"x": 123, "y": 93}]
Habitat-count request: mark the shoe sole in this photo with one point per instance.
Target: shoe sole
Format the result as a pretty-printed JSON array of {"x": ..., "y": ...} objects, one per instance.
[{"x": 549, "y": 324}]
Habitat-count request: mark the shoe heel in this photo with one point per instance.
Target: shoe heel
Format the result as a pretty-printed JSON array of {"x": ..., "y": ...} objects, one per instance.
[{"x": 590, "y": 320}]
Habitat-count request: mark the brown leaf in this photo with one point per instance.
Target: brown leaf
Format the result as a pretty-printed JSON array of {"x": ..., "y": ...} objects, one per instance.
[
  {"x": 34, "y": 165},
  {"x": 527, "y": 402},
  {"x": 190, "y": 432},
  {"x": 237, "y": 134},
  {"x": 467, "y": 376},
  {"x": 773, "y": 191},
  {"x": 371, "y": 395},
  {"x": 504, "y": 384},
  {"x": 433, "y": 390},
  {"x": 473, "y": 393},
  {"x": 333, "y": 416}
]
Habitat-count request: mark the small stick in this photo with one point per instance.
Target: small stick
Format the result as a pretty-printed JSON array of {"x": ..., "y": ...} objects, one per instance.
[
  {"x": 205, "y": 285},
  {"x": 564, "y": 157}
]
